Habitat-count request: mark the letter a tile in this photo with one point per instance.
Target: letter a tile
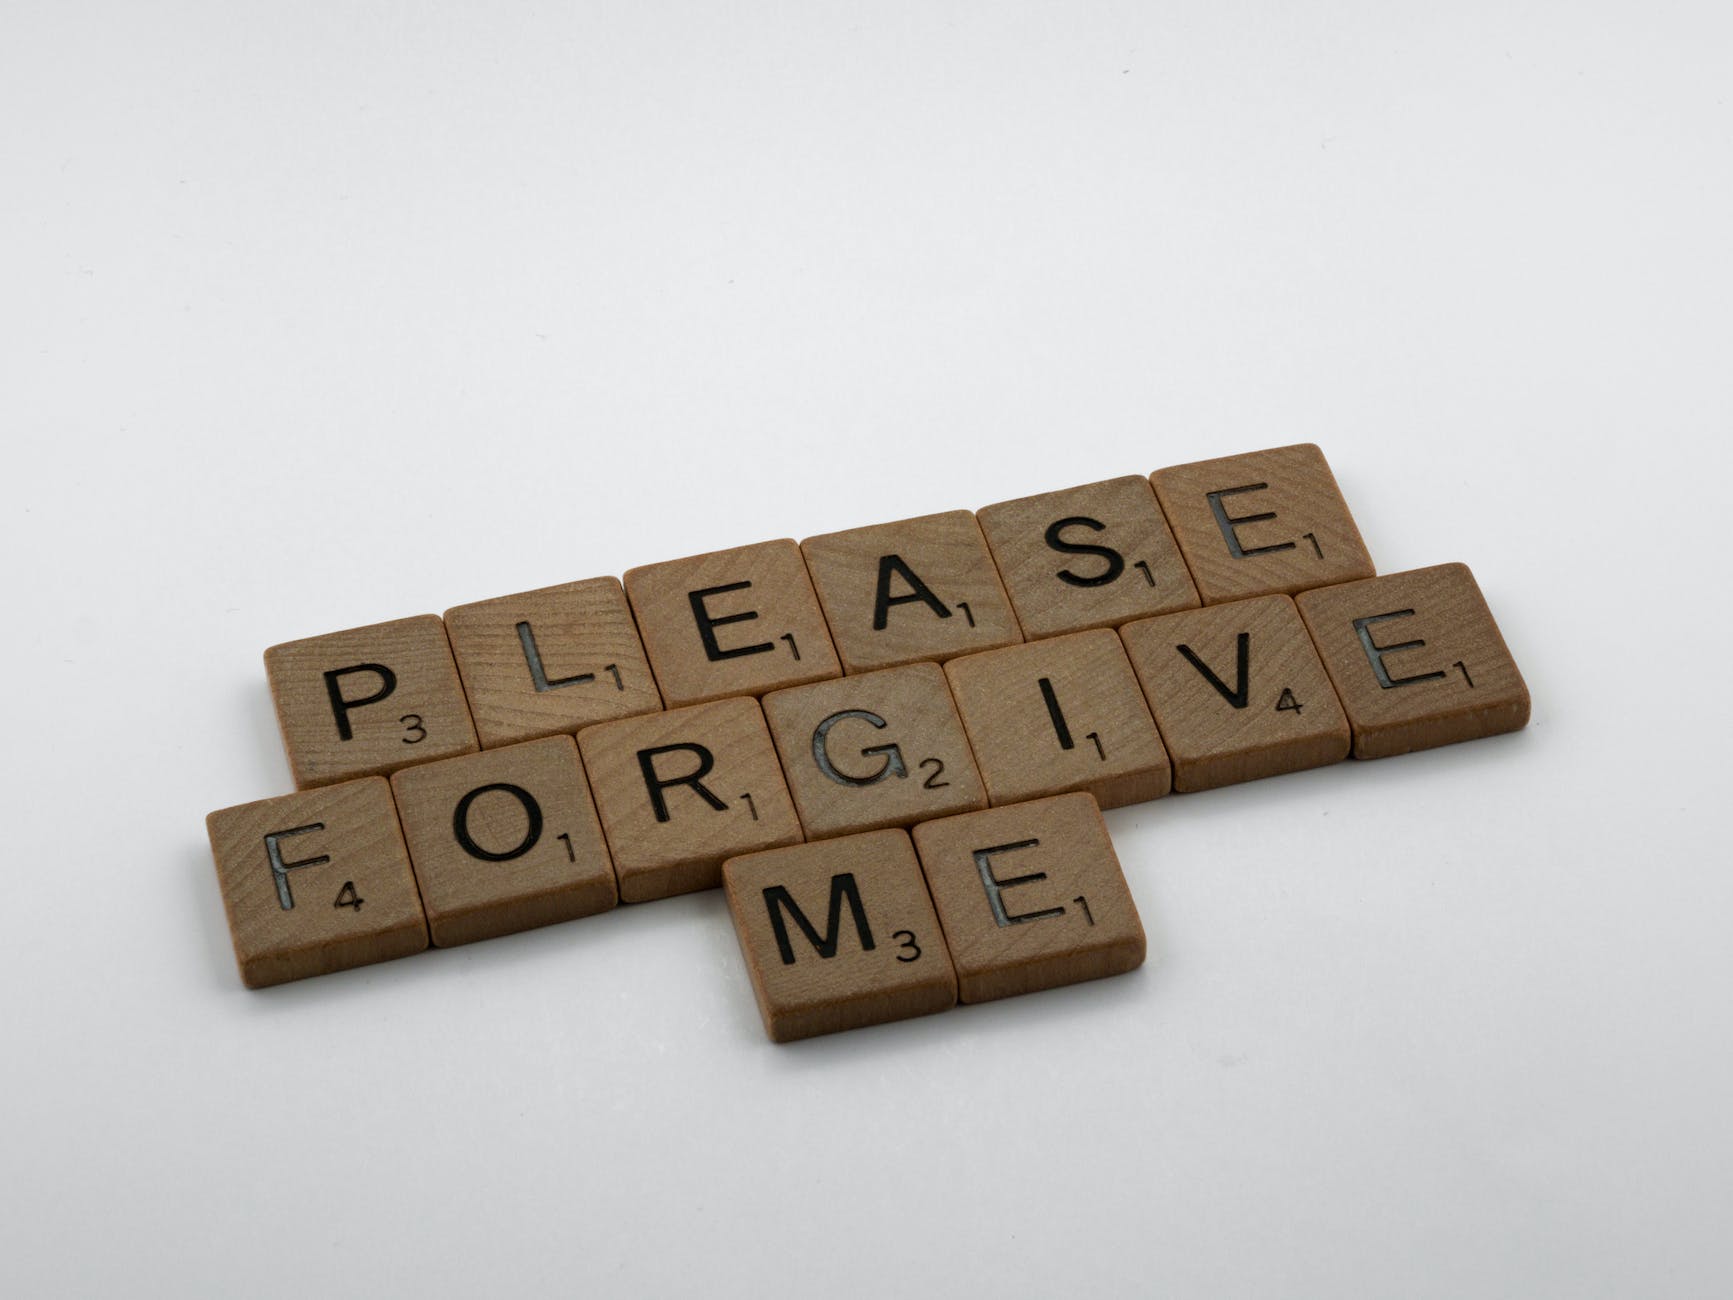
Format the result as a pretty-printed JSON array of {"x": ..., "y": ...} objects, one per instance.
[
  {"x": 1262, "y": 523},
  {"x": 680, "y": 791},
  {"x": 316, "y": 882},
  {"x": 1031, "y": 897},
  {"x": 919, "y": 589},
  {"x": 839, "y": 934},
  {"x": 1417, "y": 660}
]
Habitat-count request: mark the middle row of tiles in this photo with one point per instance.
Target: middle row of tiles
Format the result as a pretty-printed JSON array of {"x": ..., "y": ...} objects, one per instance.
[{"x": 679, "y": 791}]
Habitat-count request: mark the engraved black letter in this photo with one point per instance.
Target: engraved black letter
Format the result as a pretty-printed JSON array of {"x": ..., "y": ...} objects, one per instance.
[
  {"x": 526, "y": 638},
  {"x": 1375, "y": 653},
  {"x": 655, "y": 784},
  {"x": 893, "y": 755},
  {"x": 280, "y": 870},
  {"x": 1226, "y": 522},
  {"x": 708, "y": 623},
  {"x": 918, "y": 590},
  {"x": 532, "y": 810},
  {"x": 1242, "y": 689},
  {"x": 1115, "y": 561},
  {"x": 996, "y": 887},
  {"x": 340, "y": 706},
  {"x": 1057, "y": 715},
  {"x": 777, "y": 900}
]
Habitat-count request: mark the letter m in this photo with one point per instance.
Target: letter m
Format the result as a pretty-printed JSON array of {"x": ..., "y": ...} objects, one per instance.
[{"x": 781, "y": 906}]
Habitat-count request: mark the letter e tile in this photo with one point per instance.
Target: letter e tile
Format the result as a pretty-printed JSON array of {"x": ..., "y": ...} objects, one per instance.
[{"x": 1031, "y": 897}]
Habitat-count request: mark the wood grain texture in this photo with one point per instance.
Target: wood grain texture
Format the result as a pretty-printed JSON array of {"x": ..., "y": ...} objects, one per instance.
[
  {"x": 1417, "y": 660},
  {"x": 1050, "y": 717},
  {"x": 737, "y": 622},
  {"x": 341, "y": 895},
  {"x": 1261, "y": 523},
  {"x": 917, "y": 590},
  {"x": 1085, "y": 557},
  {"x": 552, "y": 660},
  {"x": 504, "y": 840},
  {"x": 368, "y": 700},
  {"x": 679, "y": 792},
  {"x": 1238, "y": 692},
  {"x": 1031, "y": 896},
  {"x": 878, "y": 749},
  {"x": 843, "y": 968}
]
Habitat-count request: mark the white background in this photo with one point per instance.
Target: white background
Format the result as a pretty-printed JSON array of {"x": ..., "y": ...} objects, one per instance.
[{"x": 317, "y": 315}]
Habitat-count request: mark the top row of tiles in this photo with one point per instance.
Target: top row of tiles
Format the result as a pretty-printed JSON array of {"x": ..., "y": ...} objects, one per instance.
[{"x": 927, "y": 589}]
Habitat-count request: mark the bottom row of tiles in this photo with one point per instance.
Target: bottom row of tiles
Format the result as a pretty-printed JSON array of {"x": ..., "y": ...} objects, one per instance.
[{"x": 837, "y": 933}]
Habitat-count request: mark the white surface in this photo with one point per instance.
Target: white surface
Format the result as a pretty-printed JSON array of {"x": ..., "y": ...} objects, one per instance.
[{"x": 319, "y": 315}]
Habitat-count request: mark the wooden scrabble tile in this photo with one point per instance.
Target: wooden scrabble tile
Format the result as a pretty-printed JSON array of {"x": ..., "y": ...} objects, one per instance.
[
  {"x": 1238, "y": 692},
  {"x": 1085, "y": 557},
  {"x": 1265, "y": 522},
  {"x": 504, "y": 840},
  {"x": 1030, "y": 896},
  {"x": 316, "y": 882},
  {"x": 920, "y": 589},
  {"x": 839, "y": 934},
  {"x": 1059, "y": 715},
  {"x": 550, "y": 661},
  {"x": 680, "y": 791},
  {"x": 879, "y": 749},
  {"x": 368, "y": 701},
  {"x": 736, "y": 622},
  {"x": 1417, "y": 660}
]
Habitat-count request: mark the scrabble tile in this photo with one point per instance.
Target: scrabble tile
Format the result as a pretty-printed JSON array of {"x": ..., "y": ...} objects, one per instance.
[
  {"x": 839, "y": 934},
  {"x": 504, "y": 840},
  {"x": 920, "y": 589},
  {"x": 1417, "y": 660},
  {"x": 680, "y": 791},
  {"x": 1030, "y": 896},
  {"x": 879, "y": 749},
  {"x": 1238, "y": 692},
  {"x": 1059, "y": 715},
  {"x": 1265, "y": 522},
  {"x": 1085, "y": 557},
  {"x": 316, "y": 882},
  {"x": 549, "y": 661},
  {"x": 736, "y": 622},
  {"x": 368, "y": 701}
]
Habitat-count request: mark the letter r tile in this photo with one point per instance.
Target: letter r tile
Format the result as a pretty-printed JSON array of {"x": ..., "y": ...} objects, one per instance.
[
  {"x": 1031, "y": 897},
  {"x": 839, "y": 934},
  {"x": 1262, "y": 523},
  {"x": 369, "y": 700},
  {"x": 736, "y": 622},
  {"x": 680, "y": 791},
  {"x": 1417, "y": 659}
]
